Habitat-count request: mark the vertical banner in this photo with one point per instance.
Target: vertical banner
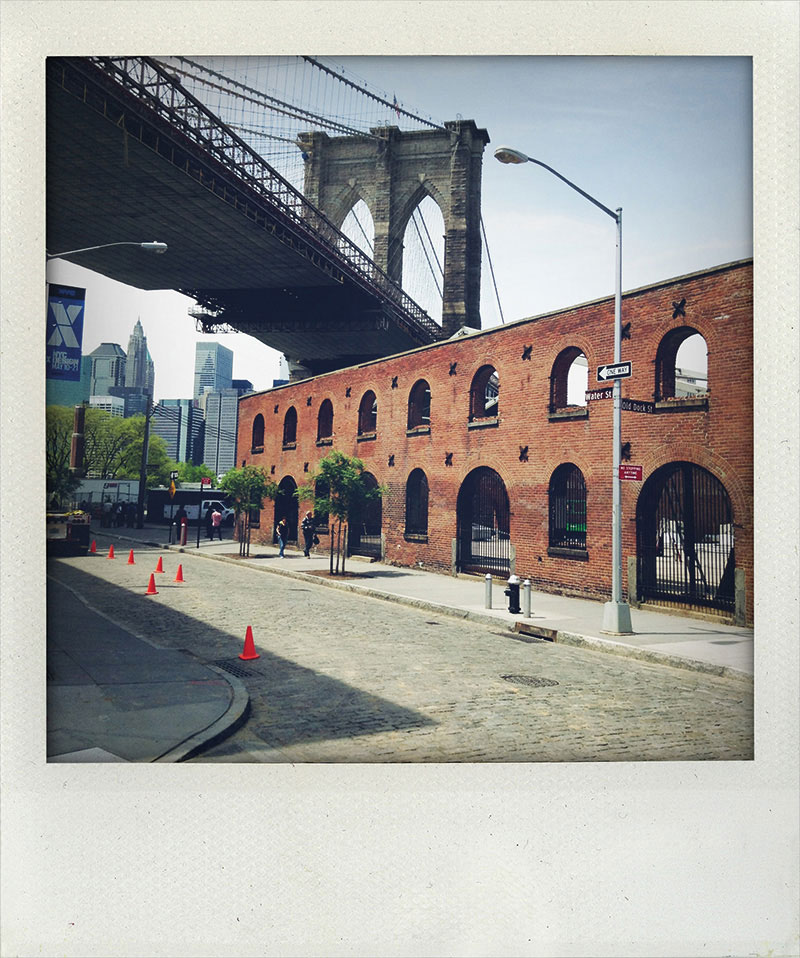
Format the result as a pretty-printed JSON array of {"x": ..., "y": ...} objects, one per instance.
[{"x": 65, "y": 308}]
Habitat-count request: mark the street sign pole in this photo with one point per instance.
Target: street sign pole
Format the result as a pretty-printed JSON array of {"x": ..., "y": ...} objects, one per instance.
[{"x": 616, "y": 613}]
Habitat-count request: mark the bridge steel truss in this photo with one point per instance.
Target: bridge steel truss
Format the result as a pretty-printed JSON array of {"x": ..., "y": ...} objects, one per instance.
[{"x": 151, "y": 107}]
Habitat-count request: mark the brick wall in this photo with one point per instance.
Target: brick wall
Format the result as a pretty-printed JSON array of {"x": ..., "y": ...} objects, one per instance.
[{"x": 716, "y": 434}]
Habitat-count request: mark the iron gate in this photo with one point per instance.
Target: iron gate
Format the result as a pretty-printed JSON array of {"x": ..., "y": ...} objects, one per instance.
[
  {"x": 286, "y": 506},
  {"x": 684, "y": 532},
  {"x": 484, "y": 544},
  {"x": 364, "y": 531}
]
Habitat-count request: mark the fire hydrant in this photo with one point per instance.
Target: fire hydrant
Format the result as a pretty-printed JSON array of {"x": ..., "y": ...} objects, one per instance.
[{"x": 513, "y": 594}]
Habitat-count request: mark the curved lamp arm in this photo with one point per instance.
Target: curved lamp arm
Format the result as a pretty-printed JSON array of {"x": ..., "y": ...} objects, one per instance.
[{"x": 153, "y": 247}]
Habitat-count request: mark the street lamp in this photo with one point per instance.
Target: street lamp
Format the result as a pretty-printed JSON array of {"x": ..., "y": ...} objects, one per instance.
[
  {"x": 616, "y": 613},
  {"x": 153, "y": 247}
]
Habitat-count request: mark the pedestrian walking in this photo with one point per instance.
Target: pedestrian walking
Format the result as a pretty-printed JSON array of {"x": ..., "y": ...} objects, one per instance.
[
  {"x": 105, "y": 516},
  {"x": 307, "y": 526},
  {"x": 282, "y": 532},
  {"x": 216, "y": 523},
  {"x": 209, "y": 523}
]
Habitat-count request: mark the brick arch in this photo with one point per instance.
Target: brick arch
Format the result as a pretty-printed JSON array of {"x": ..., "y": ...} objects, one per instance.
[
  {"x": 717, "y": 465},
  {"x": 388, "y": 169}
]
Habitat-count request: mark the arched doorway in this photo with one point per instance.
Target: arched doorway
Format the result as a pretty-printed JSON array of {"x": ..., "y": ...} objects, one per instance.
[
  {"x": 483, "y": 512},
  {"x": 286, "y": 506},
  {"x": 364, "y": 531},
  {"x": 684, "y": 539}
]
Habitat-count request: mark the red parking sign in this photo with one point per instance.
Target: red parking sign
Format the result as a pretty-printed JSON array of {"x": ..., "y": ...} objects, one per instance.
[{"x": 630, "y": 472}]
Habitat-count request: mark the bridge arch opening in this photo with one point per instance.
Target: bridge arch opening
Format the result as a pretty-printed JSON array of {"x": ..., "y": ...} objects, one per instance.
[
  {"x": 359, "y": 227},
  {"x": 422, "y": 268}
]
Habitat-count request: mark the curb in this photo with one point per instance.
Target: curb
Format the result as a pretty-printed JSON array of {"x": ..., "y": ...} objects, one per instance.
[
  {"x": 233, "y": 718},
  {"x": 560, "y": 637}
]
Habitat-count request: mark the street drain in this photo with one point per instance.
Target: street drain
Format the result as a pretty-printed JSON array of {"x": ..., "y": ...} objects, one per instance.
[
  {"x": 532, "y": 680},
  {"x": 236, "y": 669}
]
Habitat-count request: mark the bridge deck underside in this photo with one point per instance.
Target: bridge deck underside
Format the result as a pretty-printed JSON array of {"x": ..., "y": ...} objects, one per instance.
[{"x": 104, "y": 186}]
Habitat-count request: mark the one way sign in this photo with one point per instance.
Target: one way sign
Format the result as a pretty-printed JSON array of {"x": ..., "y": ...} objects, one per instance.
[{"x": 618, "y": 371}]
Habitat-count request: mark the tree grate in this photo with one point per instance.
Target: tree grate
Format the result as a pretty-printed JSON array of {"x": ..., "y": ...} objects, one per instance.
[
  {"x": 235, "y": 668},
  {"x": 532, "y": 680}
]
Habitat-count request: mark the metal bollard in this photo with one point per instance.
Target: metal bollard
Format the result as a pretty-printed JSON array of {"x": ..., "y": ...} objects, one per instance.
[
  {"x": 526, "y": 598},
  {"x": 173, "y": 532},
  {"x": 513, "y": 594},
  {"x": 487, "y": 601}
]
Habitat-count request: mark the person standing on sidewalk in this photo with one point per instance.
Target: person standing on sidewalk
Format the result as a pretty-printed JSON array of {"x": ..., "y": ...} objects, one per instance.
[
  {"x": 282, "y": 532},
  {"x": 216, "y": 523},
  {"x": 209, "y": 523},
  {"x": 307, "y": 526}
]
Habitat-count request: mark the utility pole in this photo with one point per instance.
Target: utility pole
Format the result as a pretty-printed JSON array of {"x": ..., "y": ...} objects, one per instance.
[{"x": 143, "y": 468}]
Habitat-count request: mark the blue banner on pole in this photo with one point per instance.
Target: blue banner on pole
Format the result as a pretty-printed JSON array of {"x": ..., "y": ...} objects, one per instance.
[{"x": 65, "y": 308}]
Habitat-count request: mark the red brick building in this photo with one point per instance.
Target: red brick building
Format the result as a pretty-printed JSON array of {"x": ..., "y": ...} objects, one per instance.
[{"x": 492, "y": 464}]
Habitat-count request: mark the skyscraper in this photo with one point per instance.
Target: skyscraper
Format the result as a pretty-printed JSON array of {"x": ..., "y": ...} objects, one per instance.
[
  {"x": 222, "y": 421},
  {"x": 180, "y": 425},
  {"x": 139, "y": 369},
  {"x": 213, "y": 368},
  {"x": 107, "y": 368}
]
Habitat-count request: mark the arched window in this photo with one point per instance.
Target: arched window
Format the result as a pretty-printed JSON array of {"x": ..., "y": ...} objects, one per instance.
[
  {"x": 681, "y": 365},
  {"x": 484, "y": 394},
  {"x": 368, "y": 414},
  {"x": 419, "y": 405},
  {"x": 569, "y": 379},
  {"x": 567, "y": 502},
  {"x": 258, "y": 434},
  {"x": 325, "y": 421},
  {"x": 417, "y": 504},
  {"x": 290, "y": 427}
]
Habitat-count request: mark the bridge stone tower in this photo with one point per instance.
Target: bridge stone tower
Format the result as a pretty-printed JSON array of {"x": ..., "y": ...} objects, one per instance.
[{"x": 392, "y": 172}]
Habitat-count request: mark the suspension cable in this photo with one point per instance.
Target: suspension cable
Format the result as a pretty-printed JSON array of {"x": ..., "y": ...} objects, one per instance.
[
  {"x": 425, "y": 251},
  {"x": 491, "y": 270},
  {"x": 392, "y": 106}
]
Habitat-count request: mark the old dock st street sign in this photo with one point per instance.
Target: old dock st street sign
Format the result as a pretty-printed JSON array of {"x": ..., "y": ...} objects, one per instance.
[{"x": 617, "y": 371}]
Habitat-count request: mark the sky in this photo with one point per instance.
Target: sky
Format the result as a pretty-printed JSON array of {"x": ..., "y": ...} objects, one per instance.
[{"x": 668, "y": 139}]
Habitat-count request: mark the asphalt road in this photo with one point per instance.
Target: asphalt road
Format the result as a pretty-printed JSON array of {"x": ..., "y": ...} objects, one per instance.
[{"x": 345, "y": 678}]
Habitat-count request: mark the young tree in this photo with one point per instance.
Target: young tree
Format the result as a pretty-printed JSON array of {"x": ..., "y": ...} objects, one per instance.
[
  {"x": 187, "y": 472},
  {"x": 247, "y": 487},
  {"x": 345, "y": 493},
  {"x": 61, "y": 483}
]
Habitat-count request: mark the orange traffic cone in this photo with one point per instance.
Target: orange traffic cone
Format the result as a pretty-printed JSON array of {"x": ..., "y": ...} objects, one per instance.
[
  {"x": 179, "y": 575},
  {"x": 94, "y": 546},
  {"x": 151, "y": 588},
  {"x": 111, "y": 552},
  {"x": 130, "y": 558},
  {"x": 249, "y": 646},
  {"x": 160, "y": 566}
]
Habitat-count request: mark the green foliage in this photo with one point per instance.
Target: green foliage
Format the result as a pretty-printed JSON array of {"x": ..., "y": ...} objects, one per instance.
[
  {"x": 187, "y": 472},
  {"x": 248, "y": 487},
  {"x": 61, "y": 483},
  {"x": 346, "y": 493}
]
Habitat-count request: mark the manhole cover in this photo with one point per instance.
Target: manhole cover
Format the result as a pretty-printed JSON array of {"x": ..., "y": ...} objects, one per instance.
[
  {"x": 236, "y": 668},
  {"x": 532, "y": 680}
]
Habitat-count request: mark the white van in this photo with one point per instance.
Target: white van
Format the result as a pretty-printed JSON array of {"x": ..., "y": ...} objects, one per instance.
[{"x": 227, "y": 513}]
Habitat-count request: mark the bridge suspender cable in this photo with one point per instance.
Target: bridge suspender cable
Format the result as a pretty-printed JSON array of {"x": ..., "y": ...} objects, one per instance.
[
  {"x": 392, "y": 106},
  {"x": 491, "y": 270},
  {"x": 261, "y": 98}
]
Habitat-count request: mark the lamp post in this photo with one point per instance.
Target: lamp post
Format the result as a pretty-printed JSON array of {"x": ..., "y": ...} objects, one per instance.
[
  {"x": 153, "y": 247},
  {"x": 143, "y": 465},
  {"x": 616, "y": 613}
]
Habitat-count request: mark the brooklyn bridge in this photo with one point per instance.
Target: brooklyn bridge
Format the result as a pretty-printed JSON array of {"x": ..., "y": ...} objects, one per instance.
[{"x": 260, "y": 209}]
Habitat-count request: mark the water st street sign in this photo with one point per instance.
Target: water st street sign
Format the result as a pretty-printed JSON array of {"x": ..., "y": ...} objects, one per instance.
[
  {"x": 615, "y": 371},
  {"x": 632, "y": 405}
]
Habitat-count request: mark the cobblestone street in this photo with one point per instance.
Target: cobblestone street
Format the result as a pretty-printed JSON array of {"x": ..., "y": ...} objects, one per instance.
[{"x": 345, "y": 678}]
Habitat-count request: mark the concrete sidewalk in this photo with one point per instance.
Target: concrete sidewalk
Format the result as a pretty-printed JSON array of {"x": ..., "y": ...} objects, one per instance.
[
  {"x": 114, "y": 697},
  {"x": 676, "y": 640}
]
